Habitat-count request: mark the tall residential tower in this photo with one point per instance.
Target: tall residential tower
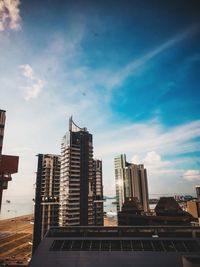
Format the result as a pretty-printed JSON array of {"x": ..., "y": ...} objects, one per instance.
[
  {"x": 80, "y": 179},
  {"x": 2, "y": 126},
  {"x": 98, "y": 192},
  {"x": 131, "y": 182},
  {"x": 46, "y": 196}
]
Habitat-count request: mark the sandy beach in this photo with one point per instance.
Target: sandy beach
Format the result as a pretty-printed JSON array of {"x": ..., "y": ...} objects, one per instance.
[{"x": 16, "y": 240}]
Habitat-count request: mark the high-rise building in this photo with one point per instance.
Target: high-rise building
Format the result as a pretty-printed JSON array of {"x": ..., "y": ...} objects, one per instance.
[
  {"x": 198, "y": 192},
  {"x": 79, "y": 178},
  {"x": 46, "y": 196},
  {"x": 193, "y": 206},
  {"x": 131, "y": 182},
  {"x": 2, "y": 126},
  {"x": 139, "y": 184},
  {"x": 8, "y": 164},
  {"x": 120, "y": 178},
  {"x": 198, "y": 201},
  {"x": 98, "y": 192}
]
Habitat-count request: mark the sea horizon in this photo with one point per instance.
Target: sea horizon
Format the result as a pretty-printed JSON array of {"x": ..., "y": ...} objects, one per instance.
[{"x": 15, "y": 205}]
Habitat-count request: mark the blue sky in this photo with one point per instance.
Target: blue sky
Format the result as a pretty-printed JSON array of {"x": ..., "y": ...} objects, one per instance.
[{"x": 127, "y": 70}]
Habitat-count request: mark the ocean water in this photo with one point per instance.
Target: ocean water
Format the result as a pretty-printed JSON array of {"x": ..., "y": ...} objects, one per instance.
[
  {"x": 15, "y": 206},
  {"x": 110, "y": 207}
]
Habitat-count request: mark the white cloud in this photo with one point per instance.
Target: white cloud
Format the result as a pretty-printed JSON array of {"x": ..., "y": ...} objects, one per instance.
[
  {"x": 153, "y": 158},
  {"x": 27, "y": 71},
  {"x": 192, "y": 175},
  {"x": 10, "y": 15},
  {"x": 34, "y": 88},
  {"x": 136, "y": 159},
  {"x": 154, "y": 163}
]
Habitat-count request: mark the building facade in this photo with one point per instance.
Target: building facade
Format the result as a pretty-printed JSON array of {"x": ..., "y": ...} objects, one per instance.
[
  {"x": 46, "y": 196},
  {"x": 131, "y": 182},
  {"x": 198, "y": 192},
  {"x": 8, "y": 164},
  {"x": 120, "y": 176},
  {"x": 2, "y": 126},
  {"x": 193, "y": 206},
  {"x": 198, "y": 201},
  {"x": 98, "y": 192},
  {"x": 79, "y": 178}
]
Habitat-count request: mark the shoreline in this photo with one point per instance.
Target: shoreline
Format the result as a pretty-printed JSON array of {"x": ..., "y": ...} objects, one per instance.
[
  {"x": 16, "y": 235},
  {"x": 17, "y": 217},
  {"x": 30, "y": 217}
]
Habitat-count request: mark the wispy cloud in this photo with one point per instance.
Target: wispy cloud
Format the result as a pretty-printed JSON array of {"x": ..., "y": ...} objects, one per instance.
[
  {"x": 150, "y": 136},
  {"x": 35, "y": 84},
  {"x": 118, "y": 78},
  {"x": 192, "y": 175},
  {"x": 10, "y": 15}
]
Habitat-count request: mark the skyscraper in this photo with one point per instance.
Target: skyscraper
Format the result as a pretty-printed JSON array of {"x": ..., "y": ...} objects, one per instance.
[
  {"x": 198, "y": 202},
  {"x": 120, "y": 178},
  {"x": 2, "y": 126},
  {"x": 78, "y": 178},
  {"x": 198, "y": 192},
  {"x": 98, "y": 192},
  {"x": 46, "y": 196},
  {"x": 131, "y": 181}
]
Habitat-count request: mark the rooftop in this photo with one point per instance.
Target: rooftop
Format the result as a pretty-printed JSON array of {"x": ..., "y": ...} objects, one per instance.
[{"x": 119, "y": 246}]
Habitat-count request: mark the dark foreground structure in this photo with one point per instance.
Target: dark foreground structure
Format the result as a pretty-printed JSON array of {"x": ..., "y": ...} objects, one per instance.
[
  {"x": 8, "y": 163},
  {"x": 167, "y": 212},
  {"x": 119, "y": 246}
]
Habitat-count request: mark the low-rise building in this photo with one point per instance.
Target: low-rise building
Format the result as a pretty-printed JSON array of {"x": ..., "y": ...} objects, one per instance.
[{"x": 119, "y": 247}]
